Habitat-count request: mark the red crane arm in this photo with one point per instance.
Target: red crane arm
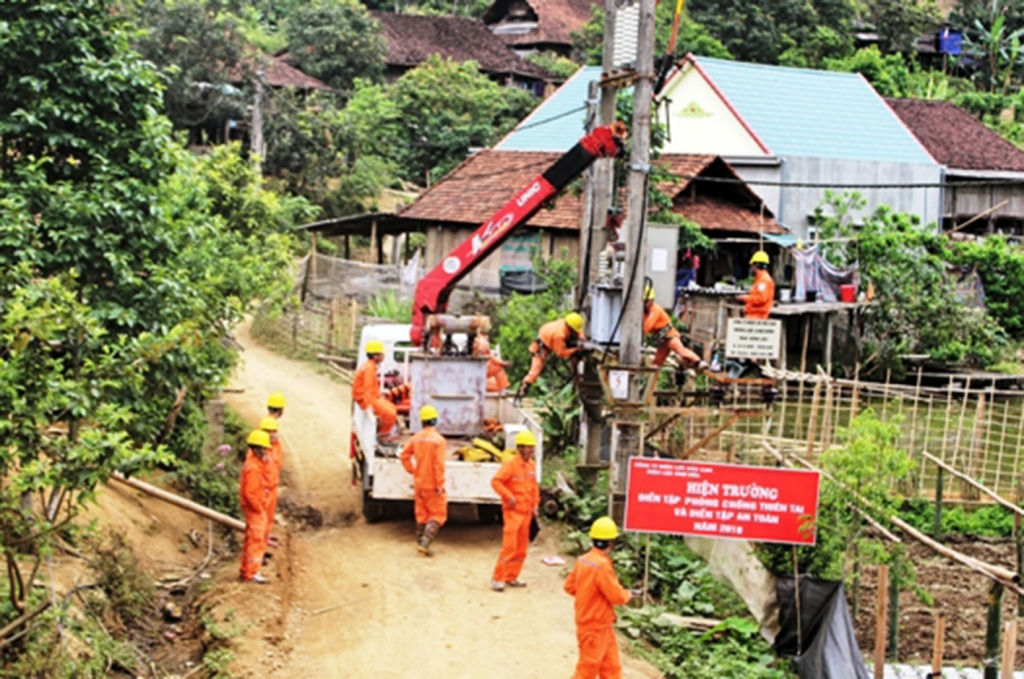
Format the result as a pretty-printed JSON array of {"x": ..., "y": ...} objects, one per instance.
[{"x": 433, "y": 290}]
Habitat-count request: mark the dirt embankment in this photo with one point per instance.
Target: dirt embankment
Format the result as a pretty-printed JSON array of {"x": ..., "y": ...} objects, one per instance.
[{"x": 356, "y": 600}]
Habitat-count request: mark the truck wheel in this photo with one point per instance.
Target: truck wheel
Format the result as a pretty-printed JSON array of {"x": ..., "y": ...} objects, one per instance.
[
  {"x": 489, "y": 513},
  {"x": 373, "y": 510}
]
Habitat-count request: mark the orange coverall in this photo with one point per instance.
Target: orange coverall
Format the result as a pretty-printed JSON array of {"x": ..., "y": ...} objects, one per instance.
[
  {"x": 552, "y": 338},
  {"x": 758, "y": 304},
  {"x": 254, "y": 494},
  {"x": 497, "y": 378},
  {"x": 275, "y": 460},
  {"x": 428, "y": 449},
  {"x": 597, "y": 590},
  {"x": 656, "y": 319},
  {"x": 366, "y": 394},
  {"x": 516, "y": 479}
]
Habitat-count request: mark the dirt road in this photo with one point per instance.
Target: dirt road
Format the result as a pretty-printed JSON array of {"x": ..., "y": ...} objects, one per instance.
[{"x": 402, "y": 615}]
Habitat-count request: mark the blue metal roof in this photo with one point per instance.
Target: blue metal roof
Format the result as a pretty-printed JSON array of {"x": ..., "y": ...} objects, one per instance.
[
  {"x": 558, "y": 122},
  {"x": 801, "y": 112}
]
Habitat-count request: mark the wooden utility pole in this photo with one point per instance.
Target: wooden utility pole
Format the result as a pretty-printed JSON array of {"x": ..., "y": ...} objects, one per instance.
[{"x": 256, "y": 138}]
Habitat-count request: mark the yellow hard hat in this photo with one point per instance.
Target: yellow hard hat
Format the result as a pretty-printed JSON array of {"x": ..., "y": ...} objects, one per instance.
[
  {"x": 604, "y": 529},
  {"x": 374, "y": 346},
  {"x": 574, "y": 321},
  {"x": 259, "y": 438},
  {"x": 526, "y": 438},
  {"x": 649, "y": 293},
  {"x": 428, "y": 412},
  {"x": 275, "y": 400},
  {"x": 269, "y": 424},
  {"x": 760, "y": 257}
]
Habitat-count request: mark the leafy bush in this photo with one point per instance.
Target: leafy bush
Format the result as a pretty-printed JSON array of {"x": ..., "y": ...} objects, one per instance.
[
  {"x": 128, "y": 588},
  {"x": 387, "y": 305},
  {"x": 990, "y": 521},
  {"x": 916, "y": 307},
  {"x": 868, "y": 463},
  {"x": 1001, "y": 267},
  {"x": 517, "y": 322}
]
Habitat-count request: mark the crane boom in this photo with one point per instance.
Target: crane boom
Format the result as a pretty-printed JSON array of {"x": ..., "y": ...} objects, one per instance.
[{"x": 434, "y": 289}]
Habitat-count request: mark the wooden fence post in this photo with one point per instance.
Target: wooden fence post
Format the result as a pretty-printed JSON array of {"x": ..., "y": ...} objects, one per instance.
[
  {"x": 1009, "y": 649},
  {"x": 894, "y": 612},
  {"x": 882, "y": 594},
  {"x": 992, "y": 630},
  {"x": 938, "y": 646},
  {"x": 937, "y": 529}
]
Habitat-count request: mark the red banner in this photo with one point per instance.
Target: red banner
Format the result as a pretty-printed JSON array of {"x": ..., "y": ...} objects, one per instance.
[{"x": 680, "y": 497}]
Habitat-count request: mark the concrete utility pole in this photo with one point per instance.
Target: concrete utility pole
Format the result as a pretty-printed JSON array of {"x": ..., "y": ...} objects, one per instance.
[
  {"x": 628, "y": 435},
  {"x": 639, "y": 170},
  {"x": 598, "y": 200}
]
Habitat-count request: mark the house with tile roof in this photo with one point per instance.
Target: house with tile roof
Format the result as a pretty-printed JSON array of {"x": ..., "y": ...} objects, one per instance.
[
  {"x": 454, "y": 207},
  {"x": 530, "y": 26},
  {"x": 976, "y": 159},
  {"x": 788, "y": 132},
  {"x": 412, "y": 39}
]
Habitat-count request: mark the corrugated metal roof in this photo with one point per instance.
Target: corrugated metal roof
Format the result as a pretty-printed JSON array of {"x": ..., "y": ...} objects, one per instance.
[
  {"x": 802, "y": 112},
  {"x": 556, "y": 124}
]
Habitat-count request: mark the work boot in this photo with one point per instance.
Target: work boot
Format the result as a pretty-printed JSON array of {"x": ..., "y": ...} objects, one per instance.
[
  {"x": 419, "y": 530},
  {"x": 497, "y": 585},
  {"x": 430, "y": 531},
  {"x": 517, "y": 583}
]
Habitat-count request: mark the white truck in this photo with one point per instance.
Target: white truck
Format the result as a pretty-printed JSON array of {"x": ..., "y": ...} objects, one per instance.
[{"x": 457, "y": 387}]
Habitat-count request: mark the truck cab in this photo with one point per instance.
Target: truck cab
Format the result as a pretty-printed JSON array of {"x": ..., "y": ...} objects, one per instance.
[{"x": 457, "y": 387}]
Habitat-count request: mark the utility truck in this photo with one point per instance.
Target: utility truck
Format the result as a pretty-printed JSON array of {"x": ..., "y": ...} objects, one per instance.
[{"x": 435, "y": 356}]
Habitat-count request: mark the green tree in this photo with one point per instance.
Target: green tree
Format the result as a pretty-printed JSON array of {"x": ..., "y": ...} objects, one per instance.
[
  {"x": 693, "y": 37},
  {"x": 889, "y": 74},
  {"x": 900, "y": 23},
  {"x": 198, "y": 49},
  {"x": 124, "y": 261},
  {"x": 426, "y": 122},
  {"x": 336, "y": 41},
  {"x": 762, "y": 32}
]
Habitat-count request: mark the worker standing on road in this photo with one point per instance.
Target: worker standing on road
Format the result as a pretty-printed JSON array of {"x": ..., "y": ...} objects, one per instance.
[
  {"x": 758, "y": 304},
  {"x": 561, "y": 338},
  {"x": 597, "y": 591},
  {"x": 658, "y": 324},
  {"x": 366, "y": 390},
  {"x": 275, "y": 409},
  {"x": 255, "y": 495},
  {"x": 516, "y": 484},
  {"x": 270, "y": 425},
  {"x": 427, "y": 448}
]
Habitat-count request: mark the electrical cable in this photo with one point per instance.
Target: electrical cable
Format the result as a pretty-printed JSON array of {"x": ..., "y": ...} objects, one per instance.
[
  {"x": 551, "y": 119},
  {"x": 827, "y": 185},
  {"x": 636, "y": 265}
]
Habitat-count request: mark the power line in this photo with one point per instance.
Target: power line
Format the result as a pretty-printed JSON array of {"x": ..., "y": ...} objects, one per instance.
[
  {"x": 551, "y": 119},
  {"x": 832, "y": 185}
]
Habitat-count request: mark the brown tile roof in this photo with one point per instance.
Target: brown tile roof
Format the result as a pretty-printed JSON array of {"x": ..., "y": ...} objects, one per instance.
[
  {"x": 413, "y": 39},
  {"x": 556, "y": 20},
  {"x": 955, "y": 138},
  {"x": 276, "y": 72},
  {"x": 473, "y": 191}
]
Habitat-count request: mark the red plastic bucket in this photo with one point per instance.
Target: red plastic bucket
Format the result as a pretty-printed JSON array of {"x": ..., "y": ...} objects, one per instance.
[{"x": 848, "y": 293}]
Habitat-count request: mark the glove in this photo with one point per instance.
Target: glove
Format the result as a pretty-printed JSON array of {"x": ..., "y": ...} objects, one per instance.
[
  {"x": 702, "y": 366},
  {"x": 520, "y": 393}
]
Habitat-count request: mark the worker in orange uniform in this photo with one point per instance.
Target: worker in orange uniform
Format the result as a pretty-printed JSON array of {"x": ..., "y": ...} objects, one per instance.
[
  {"x": 366, "y": 390},
  {"x": 516, "y": 484},
  {"x": 254, "y": 493},
  {"x": 497, "y": 378},
  {"x": 270, "y": 425},
  {"x": 561, "y": 338},
  {"x": 275, "y": 409},
  {"x": 658, "y": 324},
  {"x": 597, "y": 591},
  {"x": 427, "y": 449},
  {"x": 758, "y": 304}
]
